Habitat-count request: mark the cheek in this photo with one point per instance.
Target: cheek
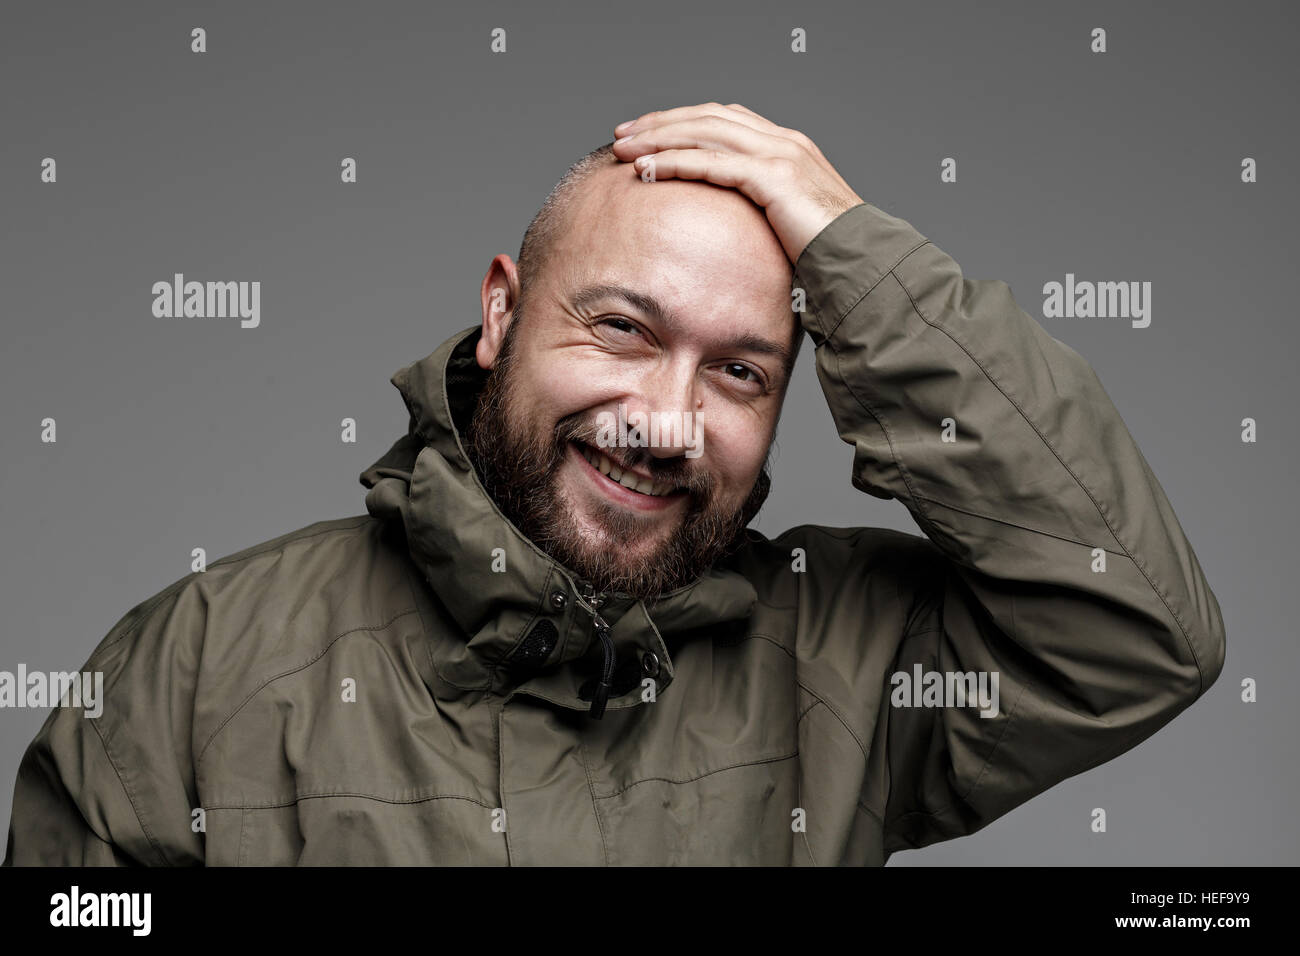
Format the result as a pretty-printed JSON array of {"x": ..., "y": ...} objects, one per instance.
[
  {"x": 571, "y": 383},
  {"x": 735, "y": 454},
  {"x": 554, "y": 391}
]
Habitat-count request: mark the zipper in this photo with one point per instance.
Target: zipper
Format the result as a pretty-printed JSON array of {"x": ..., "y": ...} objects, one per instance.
[{"x": 592, "y": 603}]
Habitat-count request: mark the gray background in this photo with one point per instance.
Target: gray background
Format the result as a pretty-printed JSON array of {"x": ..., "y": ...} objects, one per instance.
[{"x": 174, "y": 434}]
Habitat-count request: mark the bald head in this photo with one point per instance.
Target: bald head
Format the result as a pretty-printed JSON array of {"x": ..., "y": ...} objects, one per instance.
[
  {"x": 582, "y": 180},
  {"x": 539, "y": 237}
]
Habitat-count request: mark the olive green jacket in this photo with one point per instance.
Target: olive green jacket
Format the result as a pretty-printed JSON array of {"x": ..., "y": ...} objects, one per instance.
[{"x": 413, "y": 685}]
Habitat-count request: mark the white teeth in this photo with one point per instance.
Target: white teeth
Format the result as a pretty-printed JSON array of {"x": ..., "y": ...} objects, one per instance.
[{"x": 627, "y": 479}]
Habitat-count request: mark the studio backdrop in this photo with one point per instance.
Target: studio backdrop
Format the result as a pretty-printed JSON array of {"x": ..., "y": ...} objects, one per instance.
[{"x": 357, "y": 166}]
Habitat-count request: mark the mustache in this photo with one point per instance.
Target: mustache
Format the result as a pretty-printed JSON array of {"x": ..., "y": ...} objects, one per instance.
[{"x": 680, "y": 472}]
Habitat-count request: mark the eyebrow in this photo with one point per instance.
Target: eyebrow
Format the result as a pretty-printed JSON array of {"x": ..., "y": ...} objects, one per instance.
[{"x": 589, "y": 296}]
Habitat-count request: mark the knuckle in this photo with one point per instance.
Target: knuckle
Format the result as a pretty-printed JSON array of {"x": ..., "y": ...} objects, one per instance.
[
  {"x": 791, "y": 150},
  {"x": 800, "y": 139}
]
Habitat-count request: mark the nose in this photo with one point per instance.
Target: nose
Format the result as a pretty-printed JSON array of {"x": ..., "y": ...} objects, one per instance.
[{"x": 668, "y": 402}]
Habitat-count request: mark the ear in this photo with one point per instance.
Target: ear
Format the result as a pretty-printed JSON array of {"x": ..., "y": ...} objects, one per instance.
[{"x": 499, "y": 295}]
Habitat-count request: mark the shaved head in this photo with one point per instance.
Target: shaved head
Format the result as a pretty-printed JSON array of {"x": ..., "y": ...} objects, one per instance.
[{"x": 550, "y": 219}]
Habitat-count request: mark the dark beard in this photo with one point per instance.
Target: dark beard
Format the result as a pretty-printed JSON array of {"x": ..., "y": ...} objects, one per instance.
[{"x": 519, "y": 468}]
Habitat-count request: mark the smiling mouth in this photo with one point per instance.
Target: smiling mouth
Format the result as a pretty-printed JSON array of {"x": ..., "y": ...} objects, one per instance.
[{"x": 639, "y": 484}]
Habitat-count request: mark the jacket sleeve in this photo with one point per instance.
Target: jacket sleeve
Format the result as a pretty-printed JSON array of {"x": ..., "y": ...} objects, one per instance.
[
  {"x": 65, "y": 782},
  {"x": 117, "y": 789},
  {"x": 1040, "y": 484}
]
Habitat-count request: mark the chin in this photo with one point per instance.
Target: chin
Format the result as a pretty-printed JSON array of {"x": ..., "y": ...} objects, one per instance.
[{"x": 596, "y": 541}]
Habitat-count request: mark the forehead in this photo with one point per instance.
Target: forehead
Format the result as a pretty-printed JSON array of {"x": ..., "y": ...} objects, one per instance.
[{"x": 701, "y": 249}]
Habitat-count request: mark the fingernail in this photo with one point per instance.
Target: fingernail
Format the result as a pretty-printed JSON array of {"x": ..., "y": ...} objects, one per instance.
[
  {"x": 621, "y": 127},
  {"x": 620, "y": 142}
]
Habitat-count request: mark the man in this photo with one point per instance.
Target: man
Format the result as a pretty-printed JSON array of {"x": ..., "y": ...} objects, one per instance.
[{"x": 552, "y": 640}]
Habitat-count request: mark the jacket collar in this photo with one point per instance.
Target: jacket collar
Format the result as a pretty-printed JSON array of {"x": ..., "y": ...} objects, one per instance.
[{"x": 496, "y": 585}]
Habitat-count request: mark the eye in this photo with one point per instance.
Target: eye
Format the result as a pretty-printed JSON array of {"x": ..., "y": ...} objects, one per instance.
[
  {"x": 621, "y": 324},
  {"x": 743, "y": 378},
  {"x": 738, "y": 370}
]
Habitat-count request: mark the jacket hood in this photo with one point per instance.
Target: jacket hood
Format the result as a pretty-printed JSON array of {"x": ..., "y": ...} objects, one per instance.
[{"x": 495, "y": 584}]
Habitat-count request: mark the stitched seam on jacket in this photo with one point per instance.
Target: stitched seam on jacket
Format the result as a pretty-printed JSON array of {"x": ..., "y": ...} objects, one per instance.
[
  {"x": 771, "y": 640},
  {"x": 595, "y": 809},
  {"x": 241, "y": 558},
  {"x": 280, "y": 804},
  {"x": 1200, "y": 673},
  {"x": 172, "y": 589},
  {"x": 889, "y": 438},
  {"x": 798, "y": 720},
  {"x": 872, "y": 813},
  {"x": 293, "y": 670},
  {"x": 799, "y": 782},
  {"x": 798, "y": 792},
  {"x": 871, "y": 288},
  {"x": 145, "y": 612},
  {"x": 1012, "y": 524},
  {"x": 144, "y": 827},
  {"x": 839, "y": 717},
  {"x": 700, "y": 776},
  {"x": 815, "y": 694}
]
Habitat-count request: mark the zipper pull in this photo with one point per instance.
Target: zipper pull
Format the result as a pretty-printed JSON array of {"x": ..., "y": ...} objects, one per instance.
[{"x": 600, "y": 695}]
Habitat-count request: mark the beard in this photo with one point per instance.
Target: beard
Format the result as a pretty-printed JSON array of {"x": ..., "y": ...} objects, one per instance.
[{"x": 519, "y": 465}]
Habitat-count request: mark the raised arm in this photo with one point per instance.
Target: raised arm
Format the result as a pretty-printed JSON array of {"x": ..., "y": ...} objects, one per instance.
[{"x": 1057, "y": 561}]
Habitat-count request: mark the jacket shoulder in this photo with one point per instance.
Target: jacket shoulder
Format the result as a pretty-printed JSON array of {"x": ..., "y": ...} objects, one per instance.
[
  {"x": 826, "y": 550},
  {"x": 819, "y": 568},
  {"x": 215, "y": 634}
]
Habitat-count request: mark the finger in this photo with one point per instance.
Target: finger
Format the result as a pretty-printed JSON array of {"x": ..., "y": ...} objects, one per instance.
[
  {"x": 703, "y": 132},
  {"x": 719, "y": 167},
  {"x": 734, "y": 112},
  {"x": 798, "y": 137},
  {"x": 678, "y": 114},
  {"x": 762, "y": 121}
]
